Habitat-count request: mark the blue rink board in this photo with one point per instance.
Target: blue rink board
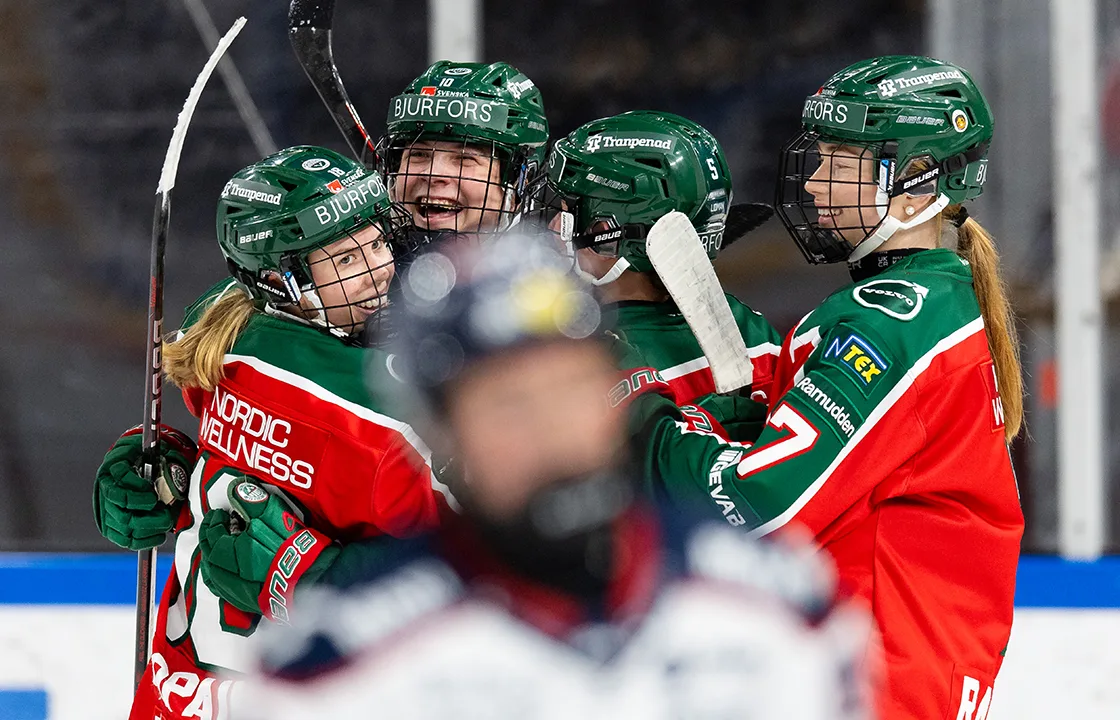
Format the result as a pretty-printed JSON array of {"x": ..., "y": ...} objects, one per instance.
[
  {"x": 110, "y": 579},
  {"x": 23, "y": 704}
]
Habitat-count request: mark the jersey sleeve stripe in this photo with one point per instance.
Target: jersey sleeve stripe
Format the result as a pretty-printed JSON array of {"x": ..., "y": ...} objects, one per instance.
[
  {"x": 763, "y": 349},
  {"x": 685, "y": 368},
  {"x": 810, "y": 336},
  {"x": 900, "y": 389}
]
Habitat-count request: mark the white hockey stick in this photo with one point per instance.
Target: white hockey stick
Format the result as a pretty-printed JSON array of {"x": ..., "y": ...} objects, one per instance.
[
  {"x": 146, "y": 559},
  {"x": 678, "y": 257}
]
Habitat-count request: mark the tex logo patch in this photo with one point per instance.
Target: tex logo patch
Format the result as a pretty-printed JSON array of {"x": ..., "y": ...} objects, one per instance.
[{"x": 859, "y": 359}]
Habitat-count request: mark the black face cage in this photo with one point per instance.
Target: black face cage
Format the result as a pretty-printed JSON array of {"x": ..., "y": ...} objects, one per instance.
[
  {"x": 454, "y": 185},
  {"x": 342, "y": 287},
  {"x": 819, "y": 222}
]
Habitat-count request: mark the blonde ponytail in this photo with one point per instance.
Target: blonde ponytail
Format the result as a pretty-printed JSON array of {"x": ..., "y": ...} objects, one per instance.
[
  {"x": 195, "y": 359},
  {"x": 975, "y": 245}
]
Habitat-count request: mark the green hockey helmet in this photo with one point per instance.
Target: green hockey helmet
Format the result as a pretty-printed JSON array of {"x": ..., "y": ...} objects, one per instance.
[
  {"x": 308, "y": 227},
  {"x": 907, "y": 125},
  {"x": 462, "y": 142},
  {"x": 610, "y": 180}
]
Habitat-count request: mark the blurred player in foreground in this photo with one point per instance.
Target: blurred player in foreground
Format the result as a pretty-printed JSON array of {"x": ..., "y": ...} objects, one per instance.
[
  {"x": 271, "y": 364},
  {"x": 557, "y": 592}
]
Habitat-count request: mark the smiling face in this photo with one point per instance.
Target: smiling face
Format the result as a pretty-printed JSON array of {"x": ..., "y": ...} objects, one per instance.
[
  {"x": 844, "y": 191},
  {"x": 450, "y": 185},
  {"x": 351, "y": 276}
]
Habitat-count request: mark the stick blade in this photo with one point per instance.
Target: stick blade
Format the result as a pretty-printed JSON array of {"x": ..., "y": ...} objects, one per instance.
[
  {"x": 678, "y": 256},
  {"x": 743, "y": 218}
]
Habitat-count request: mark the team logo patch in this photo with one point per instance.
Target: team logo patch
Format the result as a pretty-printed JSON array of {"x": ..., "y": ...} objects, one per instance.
[
  {"x": 457, "y": 71},
  {"x": 900, "y": 299},
  {"x": 960, "y": 120},
  {"x": 630, "y": 141},
  {"x": 251, "y": 492},
  {"x": 254, "y": 193},
  {"x": 918, "y": 80},
  {"x": 859, "y": 359},
  {"x": 316, "y": 164}
]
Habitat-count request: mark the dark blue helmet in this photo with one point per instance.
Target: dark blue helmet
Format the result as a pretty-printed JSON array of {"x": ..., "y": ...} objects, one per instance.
[{"x": 464, "y": 301}]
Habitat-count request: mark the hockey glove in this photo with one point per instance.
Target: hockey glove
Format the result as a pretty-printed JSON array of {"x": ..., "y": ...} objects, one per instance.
[
  {"x": 742, "y": 417},
  {"x": 256, "y": 554},
  {"x": 128, "y": 510}
]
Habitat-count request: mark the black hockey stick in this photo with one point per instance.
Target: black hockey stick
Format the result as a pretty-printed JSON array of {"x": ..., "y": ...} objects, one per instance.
[
  {"x": 153, "y": 391},
  {"x": 743, "y": 218},
  {"x": 309, "y": 27}
]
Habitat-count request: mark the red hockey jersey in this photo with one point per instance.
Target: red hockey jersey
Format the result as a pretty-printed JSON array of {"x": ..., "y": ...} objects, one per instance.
[{"x": 885, "y": 440}]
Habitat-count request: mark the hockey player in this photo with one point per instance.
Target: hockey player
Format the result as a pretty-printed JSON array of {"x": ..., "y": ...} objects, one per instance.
[
  {"x": 462, "y": 143},
  {"x": 270, "y": 363},
  {"x": 607, "y": 183},
  {"x": 556, "y": 593},
  {"x": 895, "y": 400}
]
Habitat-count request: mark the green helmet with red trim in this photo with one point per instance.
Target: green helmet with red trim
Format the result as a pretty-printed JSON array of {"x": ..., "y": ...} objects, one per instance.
[
  {"x": 922, "y": 122},
  {"x": 274, "y": 213},
  {"x": 615, "y": 177}
]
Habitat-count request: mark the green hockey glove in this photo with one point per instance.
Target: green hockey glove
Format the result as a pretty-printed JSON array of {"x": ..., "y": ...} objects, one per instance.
[
  {"x": 128, "y": 510},
  {"x": 256, "y": 554},
  {"x": 741, "y": 417}
]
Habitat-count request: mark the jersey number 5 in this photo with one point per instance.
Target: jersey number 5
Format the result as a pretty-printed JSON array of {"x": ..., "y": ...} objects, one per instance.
[{"x": 801, "y": 438}]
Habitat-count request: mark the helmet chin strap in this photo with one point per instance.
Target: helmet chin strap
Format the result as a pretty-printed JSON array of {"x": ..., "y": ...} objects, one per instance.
[
  {"x": 567, "y": 231},
  {"x": 620, "y": 266},
  {"x": 890, "y": 224},
  {"x": 320, "y": 313}
]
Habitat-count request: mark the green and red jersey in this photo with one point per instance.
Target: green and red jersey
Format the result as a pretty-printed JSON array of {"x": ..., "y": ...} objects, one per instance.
[
  {"x": 663, "y": 341},
  {"x": 885, "y": 439},
  {"x": 293, "y": 411}
]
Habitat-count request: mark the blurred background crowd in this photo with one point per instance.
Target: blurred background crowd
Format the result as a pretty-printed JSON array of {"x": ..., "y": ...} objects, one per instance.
[{"x": 91, "y": 91}]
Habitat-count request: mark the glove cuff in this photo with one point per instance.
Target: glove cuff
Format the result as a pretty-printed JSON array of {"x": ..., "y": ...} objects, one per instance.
[{"x": 292, "y": 561}]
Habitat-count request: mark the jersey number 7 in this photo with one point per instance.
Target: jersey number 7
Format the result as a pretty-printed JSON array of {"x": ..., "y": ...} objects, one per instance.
[{"x": 801, "y": 438}]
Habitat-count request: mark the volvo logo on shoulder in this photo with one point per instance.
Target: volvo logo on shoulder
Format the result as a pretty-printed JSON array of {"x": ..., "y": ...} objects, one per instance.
[{"x": 900, "y": 299}]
